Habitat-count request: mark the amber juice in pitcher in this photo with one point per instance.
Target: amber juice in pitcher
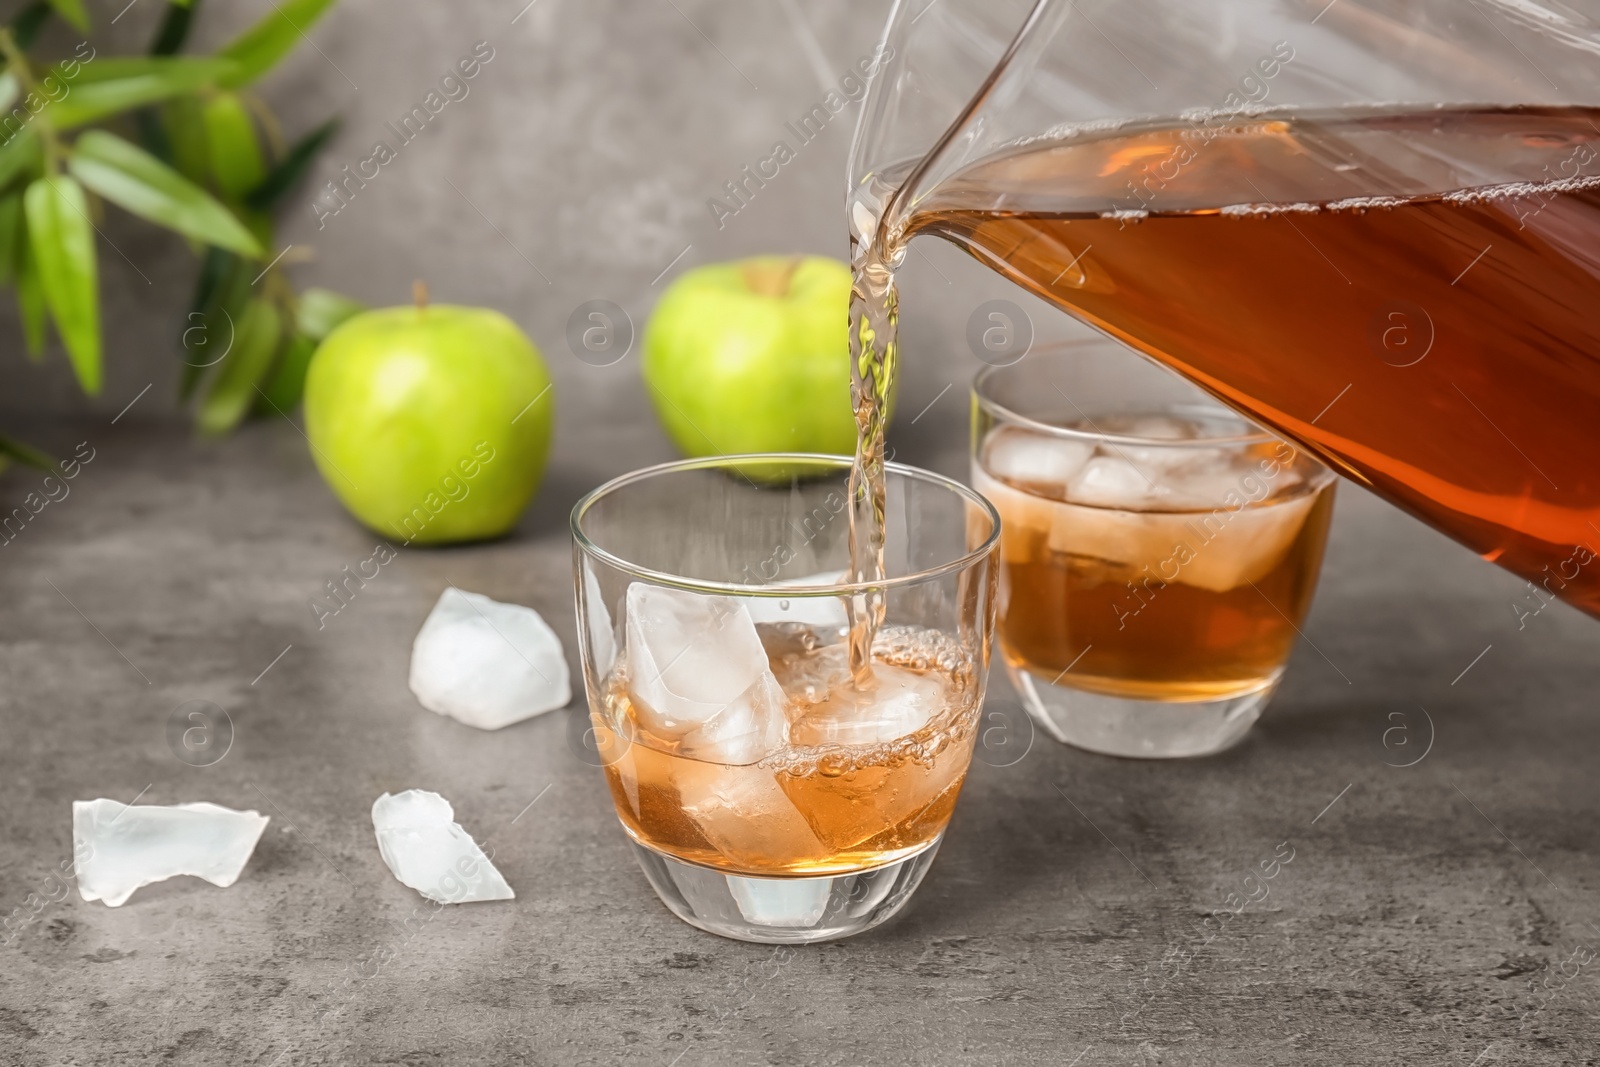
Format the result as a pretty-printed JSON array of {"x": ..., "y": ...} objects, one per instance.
[{"x": 1413, "y": 296}]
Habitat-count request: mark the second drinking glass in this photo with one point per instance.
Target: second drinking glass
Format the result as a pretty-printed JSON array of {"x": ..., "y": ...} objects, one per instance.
[{"x": 1158, "y": 555}]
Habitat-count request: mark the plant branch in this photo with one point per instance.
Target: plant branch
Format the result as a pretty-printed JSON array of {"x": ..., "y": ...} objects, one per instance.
[
  {"x": 15, "y": 60},
  {"x": 17, "y": 63}
]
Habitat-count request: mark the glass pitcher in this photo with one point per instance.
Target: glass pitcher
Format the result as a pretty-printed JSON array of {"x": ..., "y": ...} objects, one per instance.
[{"x": 1372, "y": 226}]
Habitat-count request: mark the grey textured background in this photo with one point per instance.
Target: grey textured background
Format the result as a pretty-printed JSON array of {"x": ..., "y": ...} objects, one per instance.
[
  {"x": 592, "y": 141},
  {"x": 1425, "y": 918}
]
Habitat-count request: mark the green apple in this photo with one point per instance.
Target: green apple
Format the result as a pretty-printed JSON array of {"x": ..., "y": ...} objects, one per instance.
[
  {"x": 430, "y": 423},
  {"x": 754, "y": 356}
]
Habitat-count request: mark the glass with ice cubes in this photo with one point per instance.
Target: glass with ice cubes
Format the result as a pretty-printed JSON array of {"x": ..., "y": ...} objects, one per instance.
[
  {"x": 1158, "y": 553},
  {"x": 768, "y": 796}
]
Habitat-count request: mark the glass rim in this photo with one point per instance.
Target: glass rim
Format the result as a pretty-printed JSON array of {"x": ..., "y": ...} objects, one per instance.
[
  {"x": 984, "y": 377},
  {"x": 678, "y": 581}
]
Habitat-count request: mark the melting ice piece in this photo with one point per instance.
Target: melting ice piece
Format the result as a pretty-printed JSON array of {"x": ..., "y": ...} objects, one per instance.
[
  {"x": 1192, "y": 514},
  {"x": 745, "y": 814},
  {"x": 121, "y": 848},
  {"x": 1111, "y": 481},
  {"x": 429, "y": 851},
  {"x": 1148, "y": 477},
  {"x": 868, "y": 798},
  {"x": 1020, "y": 455},
  {"x": 780, "y": 901},
  {"x": 1207, "y": 478},
  {"x": 699, "y": 675},
  {"x": 1207, "y": 535},
  {"x": 867, "y": 794},
  {"x": 487, "y": 664},
  {"x": 903, "y": 703},
  {"x": 825, "y": 611}
]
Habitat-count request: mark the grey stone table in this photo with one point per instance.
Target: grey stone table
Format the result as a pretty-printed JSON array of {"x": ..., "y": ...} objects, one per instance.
[{"x": 1437, "y": 913}]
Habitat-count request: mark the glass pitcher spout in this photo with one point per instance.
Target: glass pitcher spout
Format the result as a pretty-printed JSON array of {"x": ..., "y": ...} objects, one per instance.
[{"x": 1372, "y": 226}]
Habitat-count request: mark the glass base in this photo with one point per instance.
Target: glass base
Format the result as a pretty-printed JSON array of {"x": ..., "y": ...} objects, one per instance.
[
  {"x": 1140, "y": 729},
  {"x": 783, "y": 911}
]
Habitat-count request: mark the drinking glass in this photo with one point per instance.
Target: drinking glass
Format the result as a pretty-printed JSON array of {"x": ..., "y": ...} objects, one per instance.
[
  {"x": 767, "y": 796},
  {"x": 1158, "y": 552}
]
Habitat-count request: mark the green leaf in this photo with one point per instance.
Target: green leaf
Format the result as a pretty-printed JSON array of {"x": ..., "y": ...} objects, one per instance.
[
  {"x": 9, "y": 90},
  {"x": 288, "y": 380},
  {"x": 184, "y": 123},
  {"x": 108, "y": 86},
  {"x": 292, "y": 167},
  {"x": 132, "y": 178},
  {"x": 26, "y": 26},
  {"x": 61, "y": 240},
  {"x": 73, "y": 12},
  {"x": 260, "y": 47},
  {"x": 13, "y": 234},
  {"x": 20, "y": 155},
  {"x": 174, "y": 28},
  {"x": 23, "y": 453},
  {"x": 30, "y": 303},
  {"x": 321, "y": 310},
  {"x": 246, "y": 364},
  {"x": 236, "y": 162}
]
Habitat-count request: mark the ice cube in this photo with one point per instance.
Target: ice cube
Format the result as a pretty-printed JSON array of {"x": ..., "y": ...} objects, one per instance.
[
  {"x": 903, "y": 703},
  {"x": 1034, "y": 527},
  {"x": 699, "y": 675},
  {"x": 487, "y": 664},
  {"x": 824, "y": 611},
  {"x": 429, "y": 851},
  {"x": 899, "y": 801},
  {"x": 796, "y": 902},
  {"x": 120, "y": 848},
  {"x": 1112, "y": 481},
  {"x": 1206, "y": 532},
  {"x": 1206, "y": 479},
  {"x": 744, "y": 813},
  {"x": 1029, "y": 457},
  {"x": 1233, "y": 546},
  {"x": 1216, "y": 550}
]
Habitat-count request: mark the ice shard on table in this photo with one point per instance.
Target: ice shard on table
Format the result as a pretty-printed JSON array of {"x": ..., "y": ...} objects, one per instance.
[
  {"x": 120, "y": 848},
  {"x": 428, "y": 850},
  {"x": 488, "y": 664}
]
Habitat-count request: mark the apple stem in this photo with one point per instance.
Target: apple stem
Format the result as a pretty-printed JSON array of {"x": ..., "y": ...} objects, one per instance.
[
  {"x": 419, "y": 294},
  {"x": 763, "y": 278}
]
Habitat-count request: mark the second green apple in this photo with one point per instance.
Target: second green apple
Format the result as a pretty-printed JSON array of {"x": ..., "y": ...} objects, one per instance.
[{"x": 754, "y": 356}]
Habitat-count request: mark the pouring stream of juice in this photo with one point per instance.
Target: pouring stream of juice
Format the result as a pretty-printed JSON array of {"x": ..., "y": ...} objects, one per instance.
[
  {"x": 874, "y": 352},
  {"x": 1388, "y": 289}
]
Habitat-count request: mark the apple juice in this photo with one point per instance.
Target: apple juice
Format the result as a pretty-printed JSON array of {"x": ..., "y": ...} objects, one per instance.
[
  {"x": 861, "y": 779},
  {"x": 1409, "y": 295}
]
